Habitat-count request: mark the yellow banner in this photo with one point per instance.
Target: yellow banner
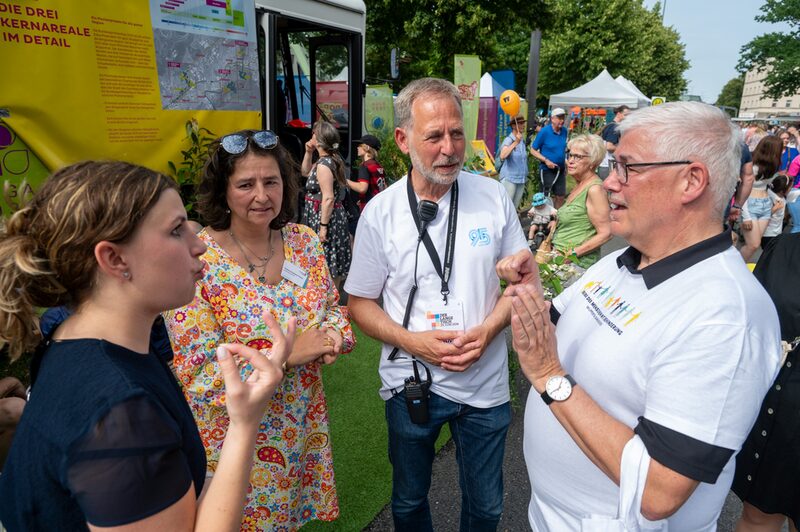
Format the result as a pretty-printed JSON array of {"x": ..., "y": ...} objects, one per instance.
[
  {"x": 479, "y": 148},
  {"x": 82, "y": 79},
  {"x": 20, "y": 170}
]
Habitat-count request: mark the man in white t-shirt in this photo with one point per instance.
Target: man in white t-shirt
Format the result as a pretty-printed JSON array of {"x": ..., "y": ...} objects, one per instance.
[
  {"x": 456, "y": 315},
  {"x": 670, "y": 343}
]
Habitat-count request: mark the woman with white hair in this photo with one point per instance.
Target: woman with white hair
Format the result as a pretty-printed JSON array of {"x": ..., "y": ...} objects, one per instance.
[{"x": 583, "y": 220}]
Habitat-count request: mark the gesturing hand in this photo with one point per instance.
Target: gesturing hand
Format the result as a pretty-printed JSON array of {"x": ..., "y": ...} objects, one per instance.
[
  {"x": 246, "y": 400},
  {"x": 534, "y": 335},
  {"x": 519, "y": 268}
]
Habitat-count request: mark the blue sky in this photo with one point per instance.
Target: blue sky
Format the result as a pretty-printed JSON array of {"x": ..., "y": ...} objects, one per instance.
[{"x": 713, "y": 32}]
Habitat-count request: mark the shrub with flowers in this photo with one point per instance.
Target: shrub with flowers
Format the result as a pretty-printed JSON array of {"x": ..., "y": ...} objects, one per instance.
[{"x": 558, "y": 274}]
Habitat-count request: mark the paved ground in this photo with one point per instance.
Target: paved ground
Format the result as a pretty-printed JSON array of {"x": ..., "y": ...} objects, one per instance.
[{"x": 445, "y": 495}]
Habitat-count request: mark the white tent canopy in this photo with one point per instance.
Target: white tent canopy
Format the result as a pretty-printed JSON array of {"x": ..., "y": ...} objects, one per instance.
[
  {"x": 602, "y": 91},
  {"x": 625, "y": 82}
]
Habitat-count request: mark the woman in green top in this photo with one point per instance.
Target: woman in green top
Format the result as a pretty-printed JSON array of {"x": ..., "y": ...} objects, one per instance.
[{"x": 583, "y": 220}]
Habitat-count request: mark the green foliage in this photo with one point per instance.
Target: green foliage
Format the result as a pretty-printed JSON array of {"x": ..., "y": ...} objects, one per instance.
[
  {"x": 19, "y": 369},
  {"x": 428, "y": 34},
  {"x": 395, "y": 163},
  {"x": 777, "y": 53},
  {"x": 475, "y": 165},
  {"x": 619, "y": 35},
  {"x": 557, "y": 273},
  {"x": 731, "y": 93},
  {"x": 188, "y": 172}
]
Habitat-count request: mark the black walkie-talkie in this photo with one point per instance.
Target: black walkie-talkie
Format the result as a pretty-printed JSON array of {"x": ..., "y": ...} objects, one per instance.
[{"x": 426, "y": 210}]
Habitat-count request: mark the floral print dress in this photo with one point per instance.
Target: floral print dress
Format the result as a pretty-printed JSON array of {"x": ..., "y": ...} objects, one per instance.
[{"x": 292, "y": 479}]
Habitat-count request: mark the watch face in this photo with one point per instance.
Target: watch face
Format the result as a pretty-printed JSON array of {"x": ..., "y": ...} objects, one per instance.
[{"x": 558, "y": 388}]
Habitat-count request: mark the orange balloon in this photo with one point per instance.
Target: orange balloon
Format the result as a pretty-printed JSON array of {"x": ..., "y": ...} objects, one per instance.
[{"x": 509, "y": 102}]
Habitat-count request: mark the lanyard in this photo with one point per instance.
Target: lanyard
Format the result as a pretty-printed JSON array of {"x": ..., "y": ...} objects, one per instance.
[
  {"x": 444, "y": 274},
  {"x": 449, "y": 250}
]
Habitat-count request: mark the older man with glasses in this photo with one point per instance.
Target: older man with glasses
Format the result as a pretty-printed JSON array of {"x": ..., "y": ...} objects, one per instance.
[{"x": 651, "y": 368}]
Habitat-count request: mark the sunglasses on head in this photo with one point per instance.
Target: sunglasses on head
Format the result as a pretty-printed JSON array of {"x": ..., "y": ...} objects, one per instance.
[{"x": 236, "y": 143}]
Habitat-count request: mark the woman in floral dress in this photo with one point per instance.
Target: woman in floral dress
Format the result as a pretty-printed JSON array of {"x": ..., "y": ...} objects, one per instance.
[
  {"x": 256, "y": 259},
  {"x": 323, "y": 210}
]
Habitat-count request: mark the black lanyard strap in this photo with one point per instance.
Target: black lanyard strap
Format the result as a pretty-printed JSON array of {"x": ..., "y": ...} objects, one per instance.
[
  {"x": 444, "y": 275},
  {"x": 452, "y": 223}
]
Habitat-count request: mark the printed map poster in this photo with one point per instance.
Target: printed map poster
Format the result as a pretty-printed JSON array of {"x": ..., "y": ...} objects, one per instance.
[
  {"x": 206, "y": 54},
  {"x": 467, "y": 78},
  {"x": 81, "y": 81}
]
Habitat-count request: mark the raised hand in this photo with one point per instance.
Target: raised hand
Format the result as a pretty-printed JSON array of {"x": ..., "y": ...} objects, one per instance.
[
  {"x": 246, "y": 400},
  {"x": 534, "y": 335},
  {"x": 519, "y": 268}
]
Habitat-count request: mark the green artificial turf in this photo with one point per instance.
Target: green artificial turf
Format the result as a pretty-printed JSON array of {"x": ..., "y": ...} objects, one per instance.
[{"x": 358, "y": 434}]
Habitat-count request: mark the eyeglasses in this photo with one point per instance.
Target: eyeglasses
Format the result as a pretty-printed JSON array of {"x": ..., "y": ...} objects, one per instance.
[
  {"x": 236, "y": 143},
  {"x": 576, "y": 156},
  {"x": 621, "y": 169}
]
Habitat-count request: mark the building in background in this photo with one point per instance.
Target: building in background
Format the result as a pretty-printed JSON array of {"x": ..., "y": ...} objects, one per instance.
[{"x": 755, "y": 104}]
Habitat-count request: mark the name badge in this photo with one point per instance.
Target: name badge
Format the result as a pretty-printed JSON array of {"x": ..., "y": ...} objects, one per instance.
[
  {"x": 448, "y": 317},
  {"x": 294, "y": 273}
]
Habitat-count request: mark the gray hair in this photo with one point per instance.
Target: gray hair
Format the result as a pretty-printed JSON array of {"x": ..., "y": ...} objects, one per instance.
[
  {"x": 694, "y": 131},
  {"x": 594, "y": 146},
  {"x": 415, "y": 89}
]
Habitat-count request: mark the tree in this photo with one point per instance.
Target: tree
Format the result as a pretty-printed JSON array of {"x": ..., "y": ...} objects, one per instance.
[
  {"x": 776, "y": 53},
  {"x": 579, "y": 39},
  {"x": 731, "y": 93},
  {"x": 619, "y": 35},
  {"x": 428, "y": 33}
]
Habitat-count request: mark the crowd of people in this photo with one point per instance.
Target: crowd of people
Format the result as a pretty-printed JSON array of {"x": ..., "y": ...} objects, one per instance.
[{"x": 177, "y": 383}]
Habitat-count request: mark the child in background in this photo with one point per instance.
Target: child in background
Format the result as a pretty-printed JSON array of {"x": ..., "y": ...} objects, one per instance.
[
  {"x": 777, "y": 192},
  {"x": 793, "y": 209},
  {"x": 543, "y": 217}
]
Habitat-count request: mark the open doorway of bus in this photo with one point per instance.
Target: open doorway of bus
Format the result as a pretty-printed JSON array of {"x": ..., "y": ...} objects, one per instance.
[{"x": 312, "y": 69}]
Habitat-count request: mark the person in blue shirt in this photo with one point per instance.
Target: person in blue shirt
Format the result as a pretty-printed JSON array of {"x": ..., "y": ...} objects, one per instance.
[
  {"x": 514, "y": 157},
  {"x": 549, "y": 147}
]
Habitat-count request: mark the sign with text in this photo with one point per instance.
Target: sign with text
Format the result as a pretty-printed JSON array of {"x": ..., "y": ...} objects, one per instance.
[{"x": 89, "y": 80}]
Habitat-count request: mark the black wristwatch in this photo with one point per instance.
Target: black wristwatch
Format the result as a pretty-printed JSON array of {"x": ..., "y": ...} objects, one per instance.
[{"x": 558, "y": 388}]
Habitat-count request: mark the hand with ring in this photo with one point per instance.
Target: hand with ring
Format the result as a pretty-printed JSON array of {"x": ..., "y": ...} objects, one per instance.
[{"x": 335, "y": 343}]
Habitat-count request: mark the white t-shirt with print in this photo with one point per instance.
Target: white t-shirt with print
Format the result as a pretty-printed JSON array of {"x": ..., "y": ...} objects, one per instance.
[
  {"x": 383, "y": 264},
  {"x": 695, "y": 353}
]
